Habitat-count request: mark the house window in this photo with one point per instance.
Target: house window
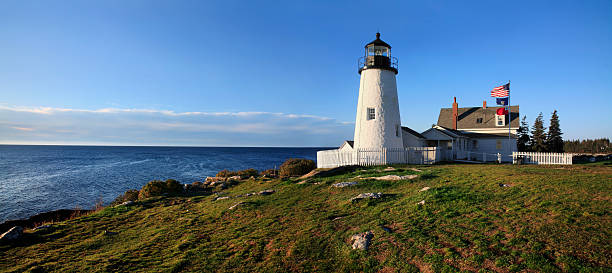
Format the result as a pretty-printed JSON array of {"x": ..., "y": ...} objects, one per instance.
[
  {"x": 498, "y": 144},
  {"x": 500, "y": 120},
  {"x": 479, "y": 120},
  {"x": 371, "y": 113}
]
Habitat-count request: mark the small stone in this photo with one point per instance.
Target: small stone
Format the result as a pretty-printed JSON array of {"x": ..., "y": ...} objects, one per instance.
[
  {"x": 12, "y": 234},
  {"x": 504, "y": 185},
  {"x": 361, "y": 240},
  {"x": 389, "y": 169},
  {"x": 344, "y": 184},
  {"x": 266, "y": 192},
  {"x": 110, "y": 233},
  {"x": 425, "y": 189},
  {"x": 367, "y": 195},
  {"x": 221, "y": 198},
  {"x": 415, "y": 169},
  {"x": 237, "y": 204},
  {"x": 422, "y": 202},
  {"x": 386, "y": 229}
]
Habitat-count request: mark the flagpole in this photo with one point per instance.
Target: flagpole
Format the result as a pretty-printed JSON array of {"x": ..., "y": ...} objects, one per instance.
[{"x": 509, "y": 121}]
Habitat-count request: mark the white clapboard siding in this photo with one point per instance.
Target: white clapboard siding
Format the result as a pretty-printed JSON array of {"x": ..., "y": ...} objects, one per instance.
[
  {"x": 543, "y": 158},
  {"x": 373, "y": 157}
]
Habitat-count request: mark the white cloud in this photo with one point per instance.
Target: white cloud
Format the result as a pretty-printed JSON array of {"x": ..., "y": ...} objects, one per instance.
[{"x": 127, "y": 126}]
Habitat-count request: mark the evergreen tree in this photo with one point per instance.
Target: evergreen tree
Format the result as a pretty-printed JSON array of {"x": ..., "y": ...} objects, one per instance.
[
  {"x": 588, "y": 146},
  {"x": 522, "y": 142},
  {"x": 538, "y": 135},
  {"x": 554, "y": 141}
]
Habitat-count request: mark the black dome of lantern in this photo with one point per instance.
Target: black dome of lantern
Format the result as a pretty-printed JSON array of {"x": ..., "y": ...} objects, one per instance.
[
  {"x": 378, "y": 42},
  {"x": 377, "y": 55}
]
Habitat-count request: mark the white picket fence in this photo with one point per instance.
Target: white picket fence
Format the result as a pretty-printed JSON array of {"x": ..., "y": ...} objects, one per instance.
[
  {"x": 483, "y": 157},
  {"x": 542, "y": 158},
  {"x": 384, "y": 156}
]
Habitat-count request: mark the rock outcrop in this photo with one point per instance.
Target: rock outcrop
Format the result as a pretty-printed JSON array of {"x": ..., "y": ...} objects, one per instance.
[
  {"x": 393, "y": 177},
  {"x": 367, "y": 195},
  {"x": 344, "y": 184}
]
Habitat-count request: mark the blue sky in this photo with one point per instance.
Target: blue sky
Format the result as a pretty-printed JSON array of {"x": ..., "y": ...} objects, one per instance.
[{"x": 283, "y": 73}]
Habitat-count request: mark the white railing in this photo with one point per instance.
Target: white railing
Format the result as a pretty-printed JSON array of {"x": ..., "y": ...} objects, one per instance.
[
  {"x": 384, "y": 156},
  {"x": 542, "y": 158}
]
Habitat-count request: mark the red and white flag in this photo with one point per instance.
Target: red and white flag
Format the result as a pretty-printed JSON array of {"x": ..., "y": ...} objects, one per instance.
[{"x": 501, "y": 91}]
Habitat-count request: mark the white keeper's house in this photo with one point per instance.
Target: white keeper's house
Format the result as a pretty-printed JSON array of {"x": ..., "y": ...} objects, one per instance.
[{"x": 469, "y": 133}]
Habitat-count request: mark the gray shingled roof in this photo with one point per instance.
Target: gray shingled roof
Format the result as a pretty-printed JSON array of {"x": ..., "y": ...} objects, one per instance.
[
  {"x": 468, "y": 115},
  {"x": 412, "y": 132}
]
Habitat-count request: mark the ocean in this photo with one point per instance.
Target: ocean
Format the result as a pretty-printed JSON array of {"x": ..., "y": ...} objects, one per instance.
[{"x": 35, "y": 179}]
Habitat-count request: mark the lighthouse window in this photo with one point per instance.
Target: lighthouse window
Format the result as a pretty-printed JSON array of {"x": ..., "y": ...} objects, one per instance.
[
  {"x": 397, "y": 130},
  {"x": 371, "y": 113}
]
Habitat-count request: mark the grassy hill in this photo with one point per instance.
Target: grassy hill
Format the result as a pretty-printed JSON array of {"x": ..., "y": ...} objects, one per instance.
[{"x": 551, "y": 219}]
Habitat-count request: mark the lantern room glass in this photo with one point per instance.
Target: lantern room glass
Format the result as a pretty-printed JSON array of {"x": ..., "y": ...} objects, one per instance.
[{"x": 378, "y": 51}]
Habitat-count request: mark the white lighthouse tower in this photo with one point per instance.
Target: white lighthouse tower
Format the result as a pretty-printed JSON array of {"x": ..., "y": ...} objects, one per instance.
[{"x": 378, "y": 123}]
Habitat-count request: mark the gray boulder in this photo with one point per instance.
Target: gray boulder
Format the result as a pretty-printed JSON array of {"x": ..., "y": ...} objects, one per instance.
[
  {"x": 362, "y": 240},
  {"x": 344, "y": 184},
  {"x": 127, "y": 203},
  {"x": 13, "y": 234},
  {"x": 367, "y": 195}
]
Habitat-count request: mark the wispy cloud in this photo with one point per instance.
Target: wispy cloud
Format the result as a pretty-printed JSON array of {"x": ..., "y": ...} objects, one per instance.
[
  {"x": 22, "y": 128},
  {"x": 19, "y": 124}
]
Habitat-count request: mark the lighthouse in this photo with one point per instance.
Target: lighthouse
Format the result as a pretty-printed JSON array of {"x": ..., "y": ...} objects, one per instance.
[{"x": 378, "y": 123}]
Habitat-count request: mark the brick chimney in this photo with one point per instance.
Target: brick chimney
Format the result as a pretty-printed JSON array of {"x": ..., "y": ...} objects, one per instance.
[
  {"x": 484, "y": 104},
  {"x": 455, "y": 113}
]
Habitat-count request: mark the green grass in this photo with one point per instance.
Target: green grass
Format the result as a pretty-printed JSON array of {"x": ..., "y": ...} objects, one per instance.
[{"x": 551, "y": 219}]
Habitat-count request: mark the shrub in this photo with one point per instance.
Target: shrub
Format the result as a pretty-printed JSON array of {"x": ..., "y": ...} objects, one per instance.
[
  {"x": 129, "y": 195},
  {"x": 226, "y": 173},
  {"x": 296, "y": 166},
  {"x": 248, "y": 173},
  {"x": 158, "y": 188},
  {"x": 196, "y": 187}
]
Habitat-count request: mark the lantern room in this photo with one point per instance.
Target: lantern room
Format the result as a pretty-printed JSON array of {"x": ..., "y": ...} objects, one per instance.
[{"x": 378, "y": 55}]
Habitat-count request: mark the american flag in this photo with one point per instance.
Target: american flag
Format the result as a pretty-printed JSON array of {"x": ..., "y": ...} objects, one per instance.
[{"x": 501, "y": 91}]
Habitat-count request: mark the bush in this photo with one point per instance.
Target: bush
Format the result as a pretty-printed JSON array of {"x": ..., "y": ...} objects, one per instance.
[
  {"x": 129, "y": 195},
  {"x": 226, "y": 173},
  {"x": 296, "y": 166},
  {"x": 196, "y": 187},
  {"x": 159, "y": 188},
  {"x": 248, "y": 173}
]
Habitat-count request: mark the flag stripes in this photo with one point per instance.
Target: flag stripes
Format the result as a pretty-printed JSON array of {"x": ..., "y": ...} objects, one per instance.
[{"x": 501, "y": 91}]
